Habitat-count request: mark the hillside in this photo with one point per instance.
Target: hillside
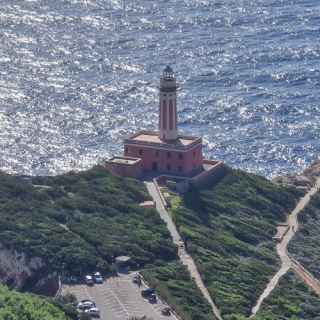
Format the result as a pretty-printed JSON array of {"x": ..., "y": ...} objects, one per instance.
[
  {"x": 81, "y": 221},
  {"x": 228, "y": 230},
  {"x": 78, "y": 222},
  {"x": 19, "y": 306}
]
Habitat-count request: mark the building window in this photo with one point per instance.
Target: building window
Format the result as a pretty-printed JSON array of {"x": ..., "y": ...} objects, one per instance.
[
  {"x": 194, "y": 154},
  {"x": 168, "y": 154},
  {"x": 126, "y": 150},
  {"x": 180, "y": 169},
  {"x": 157, "y": 153},
  {"x": 180, "y": 156},
  {"x": 168, "y": 167},
  {"x": 140, "y": 152}
]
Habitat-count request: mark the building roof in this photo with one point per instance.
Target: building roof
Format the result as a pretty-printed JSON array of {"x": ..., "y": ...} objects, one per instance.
[
  {"x": 152, "y": 138},
  {"x": 122, "y": 259},
  {"x": 128, "y": 161}
]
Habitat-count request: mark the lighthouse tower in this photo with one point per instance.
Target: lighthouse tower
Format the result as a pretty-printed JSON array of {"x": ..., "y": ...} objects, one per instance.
[
  {"x": 165, "y": 150},
  {"x": 168, "y": 130}
]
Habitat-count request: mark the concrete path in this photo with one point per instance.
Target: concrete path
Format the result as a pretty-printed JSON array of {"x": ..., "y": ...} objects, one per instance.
[
  {"x": 286, "y": 262},
  {"x": 185, "y": 258}
]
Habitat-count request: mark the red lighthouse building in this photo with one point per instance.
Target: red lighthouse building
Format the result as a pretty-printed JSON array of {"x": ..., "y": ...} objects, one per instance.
[{"x": 165, "y": 151}]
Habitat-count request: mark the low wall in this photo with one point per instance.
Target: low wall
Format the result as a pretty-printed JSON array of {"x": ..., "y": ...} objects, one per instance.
[
  {"x": 216, "y": 171},
  {"x": 163, "y": 200}
]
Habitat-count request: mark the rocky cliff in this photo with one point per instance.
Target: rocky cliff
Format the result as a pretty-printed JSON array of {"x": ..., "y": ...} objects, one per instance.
[
  {"x": 16, "y": 268},
  {"x": 304, "y": 180}
]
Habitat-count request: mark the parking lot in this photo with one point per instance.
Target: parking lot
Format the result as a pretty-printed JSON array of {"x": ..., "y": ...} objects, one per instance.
[{"x": 119, "y": 298}]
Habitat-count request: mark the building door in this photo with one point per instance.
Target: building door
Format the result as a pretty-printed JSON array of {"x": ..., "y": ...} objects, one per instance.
[{"x": 155, "y": 166}]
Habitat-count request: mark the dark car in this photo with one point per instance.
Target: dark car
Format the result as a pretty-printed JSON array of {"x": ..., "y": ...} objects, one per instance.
[
  {"x": 147, "y": 292},
  {"x": 152, "y": 298},
  {"x": 166, "y": 311}
]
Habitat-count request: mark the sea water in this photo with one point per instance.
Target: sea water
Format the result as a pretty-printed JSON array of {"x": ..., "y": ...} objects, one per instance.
[{"x": 78, "y": 76}]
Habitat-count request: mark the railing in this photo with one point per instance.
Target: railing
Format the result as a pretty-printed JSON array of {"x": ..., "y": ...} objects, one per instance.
[
  {"x": 59, "y": 291},
  {"x": 163, "y": 200}
]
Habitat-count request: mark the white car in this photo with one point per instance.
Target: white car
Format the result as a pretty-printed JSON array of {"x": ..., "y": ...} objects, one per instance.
[
  {"x": 86, "y": 304},
  {"x": 93, "y": 312},
  {"x": 89, "y": 280},
  {"x": 98, "y": 277}
]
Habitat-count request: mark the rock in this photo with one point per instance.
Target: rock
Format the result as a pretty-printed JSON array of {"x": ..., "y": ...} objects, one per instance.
[
  {"x": 302, "y": 180},
  {"x": 16, "y": 269}
]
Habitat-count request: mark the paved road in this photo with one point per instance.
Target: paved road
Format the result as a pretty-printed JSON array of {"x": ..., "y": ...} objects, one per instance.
[
  {"x": 119, "y": 298},
  {"x": 286, "y": 262},
  {"x": 185, "y": 258}
]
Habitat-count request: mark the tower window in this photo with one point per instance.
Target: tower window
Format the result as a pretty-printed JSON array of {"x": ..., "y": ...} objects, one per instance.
[
  {"x": 168, "y": 154},
  {"x": 180, "y": 169},
  {"x": 180, "y": 156},
  {"x": 140, "y": 152},
  {"x": 168, "y": 167},
  {"x": 157, "y": 153},
  {"x": 194, "y": 154},
  {"x": 126, "y": 150}
]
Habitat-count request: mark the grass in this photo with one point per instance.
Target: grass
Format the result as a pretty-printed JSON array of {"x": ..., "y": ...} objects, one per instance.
[
  {"x": 228, "y": 230},
  {"x": 291, "y": 300},
  {"x": 18, "y": 306}
]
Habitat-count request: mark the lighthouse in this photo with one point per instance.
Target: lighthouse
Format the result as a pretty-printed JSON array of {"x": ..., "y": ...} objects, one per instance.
[
  {"x": 168, "y": 130},
  {"x": 165, "y": 150}
]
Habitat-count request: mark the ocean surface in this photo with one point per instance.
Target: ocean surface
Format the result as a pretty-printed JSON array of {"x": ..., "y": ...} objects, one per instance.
[{"x": 77, "y": 76}]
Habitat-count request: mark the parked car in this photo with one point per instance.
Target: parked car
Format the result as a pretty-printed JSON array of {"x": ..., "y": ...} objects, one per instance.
[
  {"x": 85, "y": 304},
  {"x": 181, "y": 244},
  {"x": 147, "y": 292},
  {"x": 73, "y": 279},
  {"x": 98, "y": 277},
  {"x": 152, "y": 298},
  {"x": 93, "y": 312},
  {"x": 166, "y": 311},
  {"x": 137, "y": 278},
  {"x": 89, "y": 280}
]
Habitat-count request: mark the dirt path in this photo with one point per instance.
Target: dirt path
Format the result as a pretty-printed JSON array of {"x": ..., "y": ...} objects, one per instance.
[
  {"x": 185, "y": 258},
  {"x": 286, "y": 262}
]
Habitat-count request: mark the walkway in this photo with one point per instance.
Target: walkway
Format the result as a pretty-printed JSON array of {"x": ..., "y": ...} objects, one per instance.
[
  {"x": 185, "y": 258},
  {"x": 286, "y": 262}
]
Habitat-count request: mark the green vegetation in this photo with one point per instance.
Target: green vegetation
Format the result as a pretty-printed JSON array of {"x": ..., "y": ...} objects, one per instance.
[
  {"x": 228, "y": 230},
  {"x": 80, "y": 221},
  {"x": 18, "y": 306},
  {"x": 291, "y": 300},
  {"x": 305, "y": 245},
  {"x": 172, "y": 282}
]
